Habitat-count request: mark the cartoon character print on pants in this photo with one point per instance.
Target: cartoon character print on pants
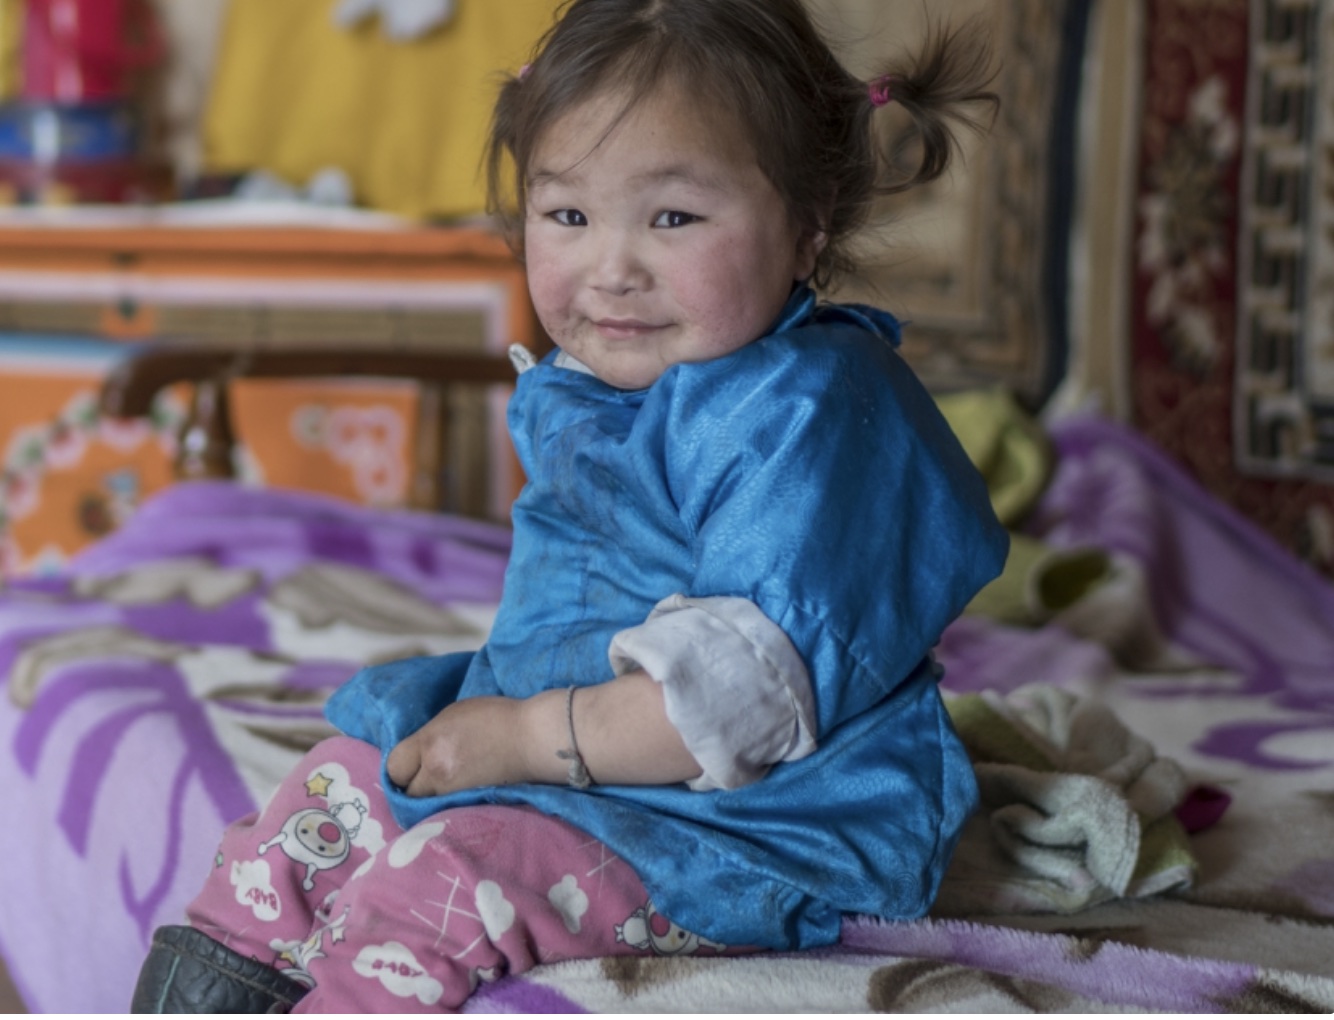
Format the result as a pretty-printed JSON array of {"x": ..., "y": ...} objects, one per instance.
[
  {"x": 294, "y": 956},
  {"x": 316, "y": 838},
  {"x": 322, "y": 838},
  {"x": 646, "y": 929}
]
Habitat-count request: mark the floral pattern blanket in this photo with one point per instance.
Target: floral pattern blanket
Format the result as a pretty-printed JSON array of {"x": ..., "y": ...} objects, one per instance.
[{"x": 1157, "y": 831}]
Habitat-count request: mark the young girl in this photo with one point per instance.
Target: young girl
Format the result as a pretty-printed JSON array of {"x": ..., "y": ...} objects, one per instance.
[{"x": 707, "y": 716}]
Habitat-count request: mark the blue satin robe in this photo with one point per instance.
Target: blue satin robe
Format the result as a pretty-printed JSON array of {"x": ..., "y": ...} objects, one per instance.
[{"x": 810, "y": 473}]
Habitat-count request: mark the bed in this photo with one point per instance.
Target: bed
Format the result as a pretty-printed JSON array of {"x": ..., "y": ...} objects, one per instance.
[
  {"x": 1150, "y": 702},
  {"x": 1154, "y": 736}
]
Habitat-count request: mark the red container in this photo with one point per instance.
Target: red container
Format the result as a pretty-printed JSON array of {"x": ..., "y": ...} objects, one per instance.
[{"x": 77, "y": 51}]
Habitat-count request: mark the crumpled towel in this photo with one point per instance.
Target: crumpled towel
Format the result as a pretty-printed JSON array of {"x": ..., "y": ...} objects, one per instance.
[{"x": 1075, "y": 808}]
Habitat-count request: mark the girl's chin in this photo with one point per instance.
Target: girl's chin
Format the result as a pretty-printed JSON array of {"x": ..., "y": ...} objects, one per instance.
[
  {"x": 625, "y": 370},
  {"x": 632, "y": 381}
]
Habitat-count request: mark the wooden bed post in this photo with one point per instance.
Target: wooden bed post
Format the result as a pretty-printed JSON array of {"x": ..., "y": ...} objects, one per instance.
[{"x": 207, "y": 439}]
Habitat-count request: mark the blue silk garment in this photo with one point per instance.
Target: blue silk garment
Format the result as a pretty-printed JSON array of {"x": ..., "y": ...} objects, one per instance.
[{"x": 810, "y": 473}]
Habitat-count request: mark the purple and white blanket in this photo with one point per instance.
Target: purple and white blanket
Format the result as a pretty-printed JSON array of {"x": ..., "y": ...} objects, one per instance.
[{"x": 160, "y": 686}]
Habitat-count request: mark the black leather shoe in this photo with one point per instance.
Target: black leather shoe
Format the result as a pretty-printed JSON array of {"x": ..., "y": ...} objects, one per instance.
[{"x": 188, "y": 972}]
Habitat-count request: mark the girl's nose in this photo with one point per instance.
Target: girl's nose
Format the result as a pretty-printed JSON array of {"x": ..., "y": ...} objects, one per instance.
[{"x": 618, "y": 267}]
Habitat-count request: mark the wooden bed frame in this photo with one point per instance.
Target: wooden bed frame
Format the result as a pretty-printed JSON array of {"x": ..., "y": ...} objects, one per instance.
[{"x": 208, "y": 438}]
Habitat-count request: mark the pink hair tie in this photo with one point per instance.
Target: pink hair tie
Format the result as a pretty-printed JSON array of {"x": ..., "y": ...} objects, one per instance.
[
  {"x": 523, "y": 71},
  {"x": 881, "y": 91}
]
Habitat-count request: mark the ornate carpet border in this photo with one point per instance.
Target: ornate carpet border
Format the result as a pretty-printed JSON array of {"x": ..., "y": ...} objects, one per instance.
[{"x": 1283, "y": 389}]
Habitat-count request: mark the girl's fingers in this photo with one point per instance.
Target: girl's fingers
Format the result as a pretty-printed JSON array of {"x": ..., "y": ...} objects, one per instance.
[{"x": 404, "y": 764}]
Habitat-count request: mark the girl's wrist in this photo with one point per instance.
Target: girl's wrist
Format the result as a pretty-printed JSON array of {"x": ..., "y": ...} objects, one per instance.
[{"x": 541, "y": 734}]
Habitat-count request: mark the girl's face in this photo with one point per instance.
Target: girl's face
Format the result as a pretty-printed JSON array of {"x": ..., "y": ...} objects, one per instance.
[{"x": 661, "y": 243}]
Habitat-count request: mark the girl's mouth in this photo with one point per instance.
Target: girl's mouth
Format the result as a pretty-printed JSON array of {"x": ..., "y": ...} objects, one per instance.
[{"x": 624, "y": 329}]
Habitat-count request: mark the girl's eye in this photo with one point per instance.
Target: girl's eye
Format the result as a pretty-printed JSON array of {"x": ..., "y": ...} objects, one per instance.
[
  {"x": 674, "y": 218},
  {"x": 570, "y": 218}
]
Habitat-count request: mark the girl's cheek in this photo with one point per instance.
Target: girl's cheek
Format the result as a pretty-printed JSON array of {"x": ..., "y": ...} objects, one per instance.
[{"x": 548, "y": 295}]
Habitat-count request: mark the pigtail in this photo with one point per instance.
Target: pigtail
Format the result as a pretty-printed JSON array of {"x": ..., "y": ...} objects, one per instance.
[{"x": 942, "y": 88}]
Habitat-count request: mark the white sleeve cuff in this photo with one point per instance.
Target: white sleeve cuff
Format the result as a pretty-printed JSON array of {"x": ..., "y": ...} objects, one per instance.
[{"x": 735, "y": 687}]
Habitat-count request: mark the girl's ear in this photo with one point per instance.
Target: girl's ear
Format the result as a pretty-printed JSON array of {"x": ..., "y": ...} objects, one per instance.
[{"x": 809, "y": 245}]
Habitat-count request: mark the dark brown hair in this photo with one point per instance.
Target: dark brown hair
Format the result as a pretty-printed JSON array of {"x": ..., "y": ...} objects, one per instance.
[{"x": 763, "y": 61}]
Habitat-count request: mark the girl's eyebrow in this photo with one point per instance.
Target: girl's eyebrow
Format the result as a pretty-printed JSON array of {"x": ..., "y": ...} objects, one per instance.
[
  {"x": 674, "y": 173},
  {"x": 682, "y": 173},
  {"x": 540, "y": 177},
  {"x": 539, "y": 183}
]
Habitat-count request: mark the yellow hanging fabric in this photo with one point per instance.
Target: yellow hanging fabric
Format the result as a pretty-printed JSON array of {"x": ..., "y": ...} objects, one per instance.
[
  {"x": 294, "y": 93},
  {"x": 11, "y": 48}
]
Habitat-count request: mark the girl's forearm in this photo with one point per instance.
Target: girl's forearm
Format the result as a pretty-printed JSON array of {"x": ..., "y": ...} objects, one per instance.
[{"x": 621, "y": 728}]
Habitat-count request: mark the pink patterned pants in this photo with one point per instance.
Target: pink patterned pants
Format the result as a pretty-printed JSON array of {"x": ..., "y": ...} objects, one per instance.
[{"x": 324, "y": 886}]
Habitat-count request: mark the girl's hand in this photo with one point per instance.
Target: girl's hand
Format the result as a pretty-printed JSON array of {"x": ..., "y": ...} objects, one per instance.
[
  {"x": 622, "y": 729},
  {"x": 477, "y": 742}
]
